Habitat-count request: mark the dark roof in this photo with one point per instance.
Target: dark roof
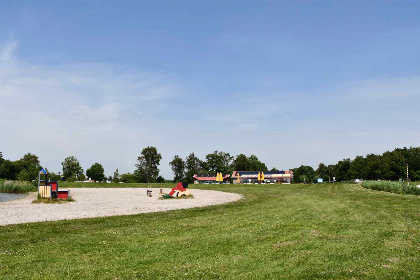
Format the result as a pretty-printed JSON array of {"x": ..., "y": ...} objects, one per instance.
[{"x": 256, "y": 172}]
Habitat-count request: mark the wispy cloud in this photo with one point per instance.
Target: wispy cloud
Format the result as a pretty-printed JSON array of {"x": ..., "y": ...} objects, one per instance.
[
  {"x": 386, "y": 88},
  {"x": 97, "y": 112},
  {"x": 7, "y": 51}
]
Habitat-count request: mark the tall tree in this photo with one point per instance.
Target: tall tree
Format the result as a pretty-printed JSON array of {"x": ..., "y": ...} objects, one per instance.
[
  {"x": 116, "y": 177},
  {"x": 219, "y": 162},
  {"x": 241, "y": 163},
  {"x": 147, "y": 165},
  {"x": 96, "y": 172},
  {"x": 342, "y": 170},
  {"x": 357, "y": 168},
  {"x": 304, "y": 174},
  {"x": 178, "y": 167},
  {"x": 192, "y": 166},
  {"x": 28, "y": 167},
  {"x": 72, "y": 169},
  {"x": 254, "y": 164},
  {"x": 331, "y": 172},
  {"x": 322, "y": 172},
  {"x": 8, "y": 170}
]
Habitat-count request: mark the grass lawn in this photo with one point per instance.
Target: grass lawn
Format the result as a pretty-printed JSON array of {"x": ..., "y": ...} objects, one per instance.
[{"x": 330, "y": 231}]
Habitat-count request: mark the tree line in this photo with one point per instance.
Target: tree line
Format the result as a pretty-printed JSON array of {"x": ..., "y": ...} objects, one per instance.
[
  {"x": 391, "y": 165},
  {"x": 146, "y": 168},
  {"x": 388, "y": 166}
]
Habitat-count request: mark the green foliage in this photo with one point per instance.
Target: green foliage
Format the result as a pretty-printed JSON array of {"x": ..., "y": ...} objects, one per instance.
[
  {"x": 128, "y": 178},
  {"x": 160, "y": 179},
  {"x": 116, "y": 177},
  {"x": 147, "y": 166},
  {"x": 241, "y": 163},
  {"x": 388, "y": 166},
  {"x": 322, "y": 172},
  {"x": 394, "y": 187},
  {"x": 8, "y": 170},
  {"x": 193, "y": 165},
  {"x": 53, "y": 177},
  {"x": 28, "y": 167},
  {"x": 304, "y": 174},
  {"x": 16, "y": 187},
  {"x": 96, "y": 172},
  {"x": 219, "y": 162},
  {"x": 52, "y": 200},
  {"x": 72, "y": 169},
  {"x": 254, "y": 164},
  {"x": 178, "y": 167},
  {"x": 24, "y": 169},
  {"x": 342, "y": 170}
]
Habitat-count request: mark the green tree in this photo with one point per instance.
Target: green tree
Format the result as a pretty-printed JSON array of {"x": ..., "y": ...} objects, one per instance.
[
  {"x": 342, "y": 170},
  {"x": 193, "y": 165},
  {"x": 8, "y": 170},
  {"x": 219, "y": 162},
  {"x": 28, "y": 167},
  {"x": 254, "y": 164},
  {"x": 96, "y": 172},
  {"x": 274, "y": 169},
  {"x": 178, "y": 167},
  {"x": 147, "y": 166},
  {"x": 71, "y": 168},
  {"x": 375, "y": 168},
  {"x": 357, "y": 168},
  {"x": 128, "y": 178},
  {"x": 116, "y": 177},
  {"x": 241, "y": 163},
  {"x": 322, "y": 172},
  {"x": 53, "y": 177},
  {"x": 160, "y": 179},
  {"x": 304, "y": 174},
  {"x": 331, "y": 172}
]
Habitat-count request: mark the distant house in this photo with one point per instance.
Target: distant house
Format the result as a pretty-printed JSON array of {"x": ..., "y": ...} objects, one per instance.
[
  {"x": 245, "y": 177},
  {"x": 210, "y": 179}
]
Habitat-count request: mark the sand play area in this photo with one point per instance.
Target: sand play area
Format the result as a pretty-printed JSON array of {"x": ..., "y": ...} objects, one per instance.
[{"x": 101, "y": 202}]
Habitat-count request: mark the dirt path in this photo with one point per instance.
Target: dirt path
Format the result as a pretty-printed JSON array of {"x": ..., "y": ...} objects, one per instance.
[{"x": 100, "y": 202}]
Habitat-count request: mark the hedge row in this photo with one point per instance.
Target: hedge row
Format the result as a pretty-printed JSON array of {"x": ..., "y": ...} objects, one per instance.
[
  {"x": 16, "y": 187},
  {"x": 394, "y": 187}
]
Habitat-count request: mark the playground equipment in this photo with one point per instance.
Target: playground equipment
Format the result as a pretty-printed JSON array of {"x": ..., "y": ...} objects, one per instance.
[
  {"x": 180, "y": 190},
  {"x": 149, "y": 192},
  {"x": 49, "y": 189}
]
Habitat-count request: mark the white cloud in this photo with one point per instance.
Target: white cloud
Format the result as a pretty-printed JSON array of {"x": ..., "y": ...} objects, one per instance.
[
  {"x": 108, "y": 113},
  {"x": 97, "y": 112},
  {"x": 7, "y": 51},
  {"x": 385, "y": 88}
]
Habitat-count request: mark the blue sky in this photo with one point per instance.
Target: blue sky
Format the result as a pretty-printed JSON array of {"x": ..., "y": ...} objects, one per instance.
[{"x": 293, "y": 82}]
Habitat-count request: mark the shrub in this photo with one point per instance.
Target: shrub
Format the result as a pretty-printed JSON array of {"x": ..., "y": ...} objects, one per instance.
[
  {"x": 394, "y": 187},
  {"x": 16, "y": 187}
]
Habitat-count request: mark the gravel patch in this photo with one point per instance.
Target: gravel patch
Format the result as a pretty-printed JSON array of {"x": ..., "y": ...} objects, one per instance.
[
  {"x": 11, "y": 196},
  {"x": 101, "y": 202}
]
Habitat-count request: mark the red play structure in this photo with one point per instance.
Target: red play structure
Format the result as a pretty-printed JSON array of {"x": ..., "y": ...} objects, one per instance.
[
  {"x": 180, "y": 190},
  {"x": 49, "y": 189}
]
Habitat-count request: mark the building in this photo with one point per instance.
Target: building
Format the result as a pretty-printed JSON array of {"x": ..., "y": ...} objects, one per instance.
[
  {"x": 251, "y": 177},
  {"x": 210, "y": 179},
  {"x": 247, "y": 177}
]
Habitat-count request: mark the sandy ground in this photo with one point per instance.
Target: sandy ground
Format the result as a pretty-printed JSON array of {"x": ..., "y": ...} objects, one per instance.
[{"x": 100, "y": 202}]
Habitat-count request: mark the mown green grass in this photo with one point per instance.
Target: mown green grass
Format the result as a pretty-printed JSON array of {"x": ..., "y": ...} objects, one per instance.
[{"x": 336, "y": 231}]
